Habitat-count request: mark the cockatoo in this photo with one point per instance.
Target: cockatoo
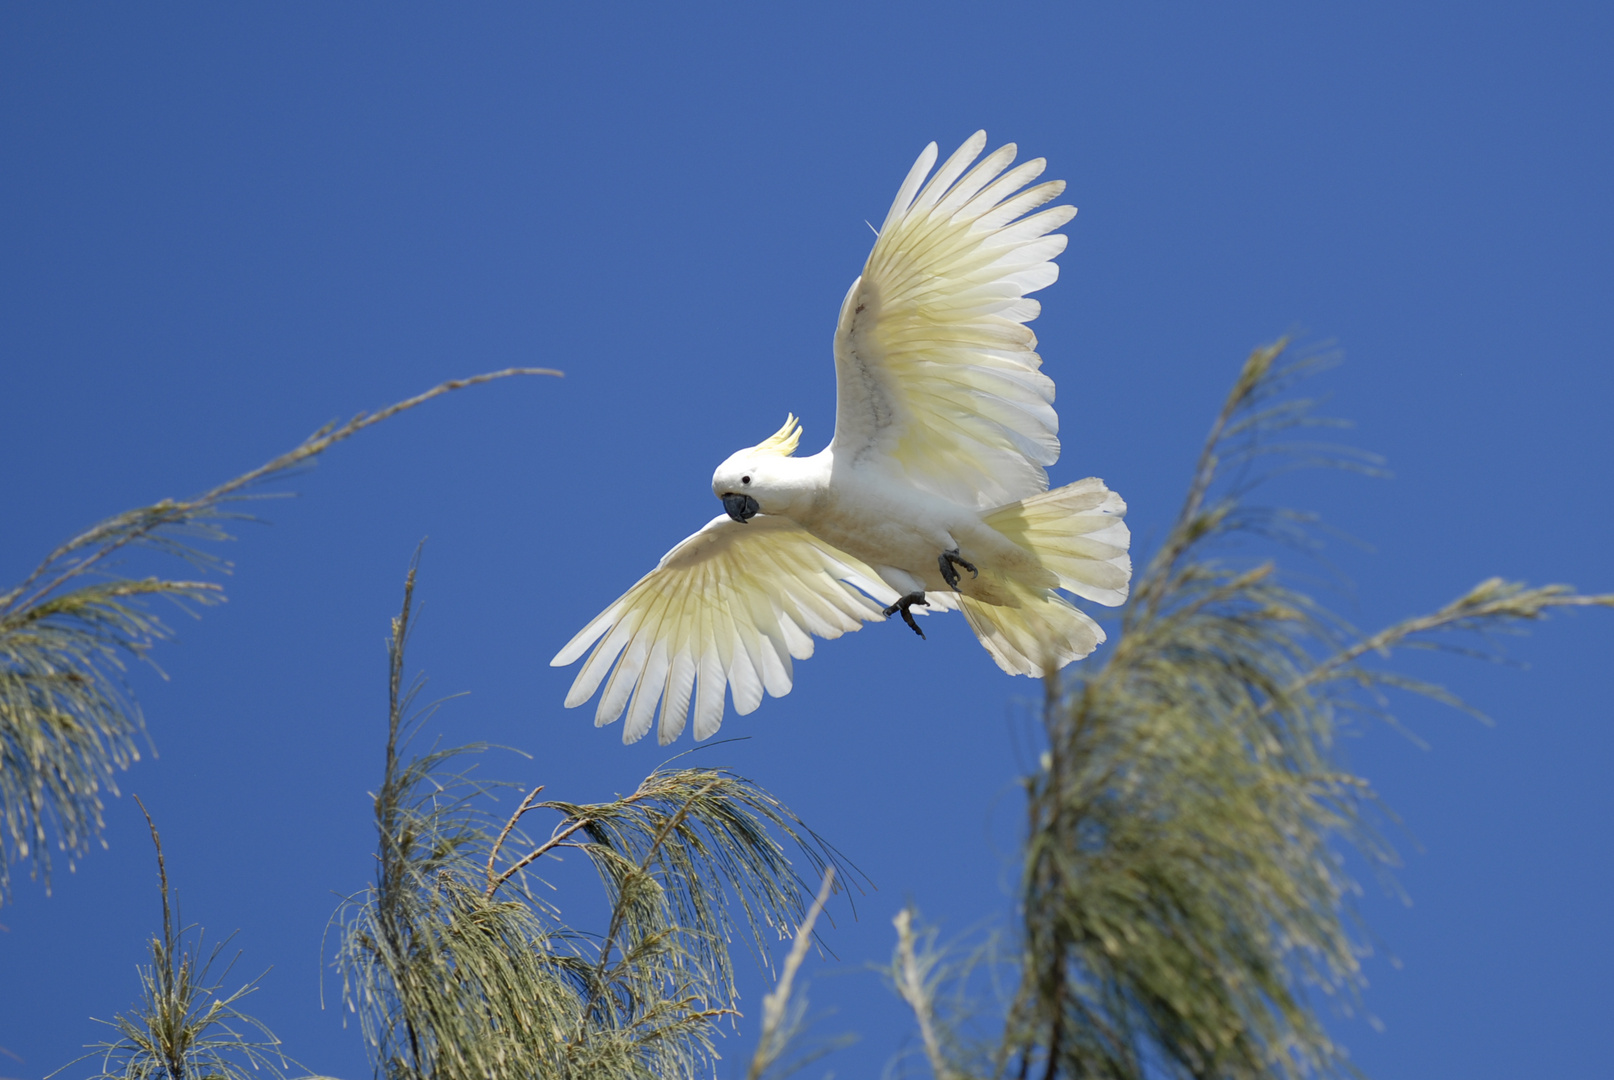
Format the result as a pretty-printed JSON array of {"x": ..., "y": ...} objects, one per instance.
[{"x": 932, "y": 493}]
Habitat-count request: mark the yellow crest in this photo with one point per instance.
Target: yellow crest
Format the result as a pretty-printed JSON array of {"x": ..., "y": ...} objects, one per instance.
[{"x": 782, "y": 442}]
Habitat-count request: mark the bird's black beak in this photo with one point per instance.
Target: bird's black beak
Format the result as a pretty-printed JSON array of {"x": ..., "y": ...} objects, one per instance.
[{"x": 741, "y": 508}]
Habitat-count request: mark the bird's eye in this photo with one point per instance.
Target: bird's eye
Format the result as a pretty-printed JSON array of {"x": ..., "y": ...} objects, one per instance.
[{"x": 745, "y": 479}]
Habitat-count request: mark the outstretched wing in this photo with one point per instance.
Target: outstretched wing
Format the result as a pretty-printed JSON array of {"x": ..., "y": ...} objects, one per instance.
[
  {"x": 730, "y": 606},
  {"x": 936, "y": 371}
]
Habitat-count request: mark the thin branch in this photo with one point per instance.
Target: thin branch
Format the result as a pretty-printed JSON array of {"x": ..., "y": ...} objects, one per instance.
[
  {"x": 504, "y": 834},
  {"x": 556, "y": 838},
  {"x": 326, "y": 437},
  {"x": 914, "y": 985},
  {"x": 775, "y": 1003},
  {"x": 129, "y": 527},
  {"x": 162, "y": 877},
  {"x": 555, "y": 841},
  {"x": 1490, "y": 599},
  {"x": 1186, "y": 529}
]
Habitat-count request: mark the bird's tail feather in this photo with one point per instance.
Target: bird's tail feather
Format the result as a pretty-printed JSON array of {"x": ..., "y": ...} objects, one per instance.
[
  {"x": 1044, "y": 633},
  {"x": 1077, "y": 533}
]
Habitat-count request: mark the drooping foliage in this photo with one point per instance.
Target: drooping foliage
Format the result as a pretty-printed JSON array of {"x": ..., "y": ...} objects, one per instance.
[
  {"x": 68, "y": 721},
  {"x": 1186, "y": 907},
  {"x": 457, "y": 969}
]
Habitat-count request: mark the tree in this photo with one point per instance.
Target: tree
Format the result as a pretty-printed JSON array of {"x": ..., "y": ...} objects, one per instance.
[
  {"x": 457, "y": 969},
  {"x": 1184, "y": 902},
  {"x": 68, "y": 721},
  {"x": 1183, "y": 896}
]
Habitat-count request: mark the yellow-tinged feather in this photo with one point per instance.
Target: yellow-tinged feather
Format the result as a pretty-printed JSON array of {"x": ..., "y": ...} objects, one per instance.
[
  {"x": 1043, "y": 632},
  {"x": 729, "y": 608},
  {"x": 782, "y": 442},
  {"x": 937, "y": 371},
  {"x": 1076, "y": 532}
]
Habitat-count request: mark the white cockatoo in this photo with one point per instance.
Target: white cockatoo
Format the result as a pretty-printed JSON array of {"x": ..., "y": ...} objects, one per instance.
[{"x": 932, "y": 492}]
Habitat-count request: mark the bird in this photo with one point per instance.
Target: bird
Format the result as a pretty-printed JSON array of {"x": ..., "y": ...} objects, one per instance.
[{"x": 932, "y": 494}]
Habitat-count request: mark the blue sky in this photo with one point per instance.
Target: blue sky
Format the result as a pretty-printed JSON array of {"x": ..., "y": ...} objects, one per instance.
[{"x": 222, "y": 226}]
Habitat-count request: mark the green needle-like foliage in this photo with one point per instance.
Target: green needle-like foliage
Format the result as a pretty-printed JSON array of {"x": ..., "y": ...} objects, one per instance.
[
  {"x": 67, "y": 719},
  {"x": 184, "y": 1028},
  {"x": 1185, "y": 902},
  {"x": 456, "y": 970},
  {"x": 68, "y": 723}
]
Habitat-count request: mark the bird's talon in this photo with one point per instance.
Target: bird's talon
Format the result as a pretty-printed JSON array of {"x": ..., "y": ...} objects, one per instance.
[
  {"x": 902, "y": 605},
  {"x": 949, "y": 559}
]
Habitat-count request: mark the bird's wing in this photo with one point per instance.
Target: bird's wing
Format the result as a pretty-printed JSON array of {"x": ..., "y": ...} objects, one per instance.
[
  {"x": 730, "y": 606},
  {"x": 935, "y": 368}
]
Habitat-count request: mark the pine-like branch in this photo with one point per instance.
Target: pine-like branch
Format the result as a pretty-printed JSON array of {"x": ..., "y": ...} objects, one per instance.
[
  {"x": 68, "y": 721},
  {"x": 1184, "y": 904},
  {"x": 456, "y": 969}
]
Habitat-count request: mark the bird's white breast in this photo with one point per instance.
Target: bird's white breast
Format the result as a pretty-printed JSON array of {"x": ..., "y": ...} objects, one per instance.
[{"x": 887, "y": 522}]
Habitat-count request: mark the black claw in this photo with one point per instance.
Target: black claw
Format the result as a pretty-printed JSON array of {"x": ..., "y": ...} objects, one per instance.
[
  {"x": 947, "y": 560},
  {"x": 903, "y": 605}
]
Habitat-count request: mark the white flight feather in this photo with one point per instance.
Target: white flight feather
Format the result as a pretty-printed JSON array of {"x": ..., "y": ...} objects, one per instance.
[
  {"x": 731, "y": 607},
  {"x": 910, "y": 185},
  {"x": 935, "y": 315}
]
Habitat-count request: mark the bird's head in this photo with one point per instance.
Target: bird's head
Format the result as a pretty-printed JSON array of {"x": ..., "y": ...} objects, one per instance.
[{"x": 751, "y": 481}]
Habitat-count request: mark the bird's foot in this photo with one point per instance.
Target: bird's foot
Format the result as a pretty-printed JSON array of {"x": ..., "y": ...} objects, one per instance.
[
  {"x": 949, "y": 559},
  {"x": 903, "y": 605}
]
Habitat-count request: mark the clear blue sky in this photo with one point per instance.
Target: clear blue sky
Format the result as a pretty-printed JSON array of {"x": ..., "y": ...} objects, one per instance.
[{"x": 222, "y": 226}]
